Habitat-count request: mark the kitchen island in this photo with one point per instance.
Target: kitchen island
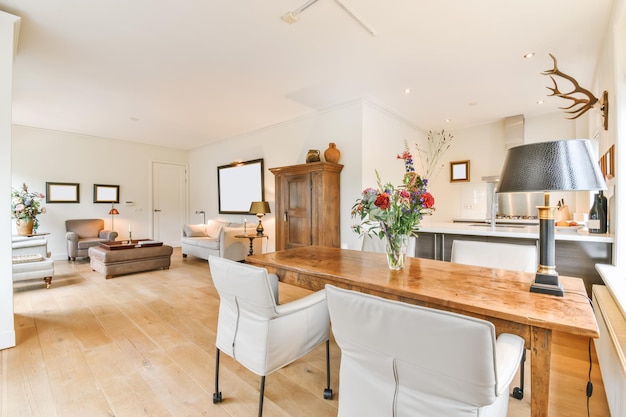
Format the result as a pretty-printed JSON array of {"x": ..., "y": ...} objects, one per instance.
[{"x": 577, "y": 251}]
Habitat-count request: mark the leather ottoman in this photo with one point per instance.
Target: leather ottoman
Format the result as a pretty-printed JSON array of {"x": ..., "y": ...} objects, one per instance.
[{"x": 128, "y": 261}]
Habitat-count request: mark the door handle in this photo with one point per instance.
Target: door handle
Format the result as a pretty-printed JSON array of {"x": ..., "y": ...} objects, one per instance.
[
  {"x": 157, "y": 211},
  {"x": 285, "y": 217}
]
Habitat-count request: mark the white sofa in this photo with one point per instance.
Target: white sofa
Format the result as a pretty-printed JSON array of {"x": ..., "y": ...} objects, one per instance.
[
  {"x": 31, "y": 259},
  {"x": 218, "y": 239}
]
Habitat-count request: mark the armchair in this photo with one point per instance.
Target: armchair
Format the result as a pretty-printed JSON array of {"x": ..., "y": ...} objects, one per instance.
[
  {"x": 498, "y": 255},
  {"x": 257, "y": 332},
  {"x": 406, "y": 360},
  {"x": 83, "y": 234}
]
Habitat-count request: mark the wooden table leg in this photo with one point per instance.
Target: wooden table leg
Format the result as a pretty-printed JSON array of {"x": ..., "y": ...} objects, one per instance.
[{"x": 541, "y": 352}]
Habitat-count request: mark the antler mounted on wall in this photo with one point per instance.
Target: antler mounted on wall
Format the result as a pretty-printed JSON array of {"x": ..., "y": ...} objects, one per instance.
[{"x": 585, "y": 102}]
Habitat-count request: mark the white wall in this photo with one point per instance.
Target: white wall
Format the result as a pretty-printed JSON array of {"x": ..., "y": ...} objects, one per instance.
[
  {"x": 9, "y": 25},
  {"x": 41, "y": 156},
  {"x": 618, "y": 115},
  {"x": 282, "y": 145},
  {"x": 484, "y": 147},
  {"x": 370, "y": 138}
]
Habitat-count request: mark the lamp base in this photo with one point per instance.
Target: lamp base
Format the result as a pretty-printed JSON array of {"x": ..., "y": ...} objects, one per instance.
[{"x": 547, "y": 284}]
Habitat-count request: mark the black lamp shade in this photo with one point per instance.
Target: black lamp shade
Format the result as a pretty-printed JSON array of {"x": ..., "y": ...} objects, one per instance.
[{"x": 551, "y": 166}]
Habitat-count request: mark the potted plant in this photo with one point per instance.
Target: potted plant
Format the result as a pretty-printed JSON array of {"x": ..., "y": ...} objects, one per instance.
[{"x": 25, "y": 207}]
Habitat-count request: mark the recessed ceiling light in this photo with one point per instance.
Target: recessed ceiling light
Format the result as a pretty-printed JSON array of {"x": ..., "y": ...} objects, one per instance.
[
  {"x": 529, "y": 55},
  {"x": 448, "y": 120},
  {"x": 472, "y": 104},
  {"x": 134, "y": 119},
  {"x": 407, "y": 91},
  {"x": 539, "y": 101}
]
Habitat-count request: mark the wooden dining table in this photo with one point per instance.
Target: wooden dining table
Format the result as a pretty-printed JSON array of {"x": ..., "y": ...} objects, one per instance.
[{"x": 499, "y": 296}]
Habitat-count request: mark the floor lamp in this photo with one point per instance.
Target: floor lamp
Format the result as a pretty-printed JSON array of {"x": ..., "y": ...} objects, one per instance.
[
  {"x": 113, "y": 212},
  {"x": 563, "y": 165}
]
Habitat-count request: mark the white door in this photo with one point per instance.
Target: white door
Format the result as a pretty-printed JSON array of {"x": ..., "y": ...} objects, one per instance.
[{"x": 169, "y": 202}]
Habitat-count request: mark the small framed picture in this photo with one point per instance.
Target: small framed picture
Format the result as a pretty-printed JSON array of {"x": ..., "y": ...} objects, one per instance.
[
  {"x": 459, "y": 171},
  {"x": 609, "y": 162},
  {"x": 62, "y": 192},
  {"x": 106, "y": 193}
]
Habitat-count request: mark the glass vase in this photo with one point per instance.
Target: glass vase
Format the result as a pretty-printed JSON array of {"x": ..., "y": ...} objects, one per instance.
[{"x": 395, "y": 248}]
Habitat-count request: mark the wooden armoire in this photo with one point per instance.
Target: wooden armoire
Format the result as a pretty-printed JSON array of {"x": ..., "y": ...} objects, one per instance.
[{"x": 307, "y": 205}]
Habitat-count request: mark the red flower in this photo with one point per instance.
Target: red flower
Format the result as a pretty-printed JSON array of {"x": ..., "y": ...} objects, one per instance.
[
  {"x": 428, "y": 200},
  {"x": 382, "y": 201}
]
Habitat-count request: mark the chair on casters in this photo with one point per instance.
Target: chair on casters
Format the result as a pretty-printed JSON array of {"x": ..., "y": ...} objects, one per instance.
[
  {"x": 405, "y": 360},
  {"x": 256, "y": 331},
  {"x": 498, "y": 255}
]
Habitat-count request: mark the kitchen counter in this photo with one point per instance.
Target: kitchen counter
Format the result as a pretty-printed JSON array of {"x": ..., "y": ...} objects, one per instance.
[
  {"x": 576, "y": 250},
  {"x": 511, "y": 231}
]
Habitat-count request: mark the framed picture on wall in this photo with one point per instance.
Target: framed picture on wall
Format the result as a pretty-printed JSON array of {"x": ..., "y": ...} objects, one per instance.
[
  {"x": 106, "y": 193},
  {"x": 62, "y": 192},
  {"x": 609, "y": 161},
  {"x": 238, "y": 185},
  {"x": 459, "y": 171}
]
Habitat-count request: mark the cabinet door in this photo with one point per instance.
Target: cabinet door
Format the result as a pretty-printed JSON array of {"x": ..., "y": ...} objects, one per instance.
[
  {"x": 296, "y": 203},
  {"x": 425, "y": 245}
]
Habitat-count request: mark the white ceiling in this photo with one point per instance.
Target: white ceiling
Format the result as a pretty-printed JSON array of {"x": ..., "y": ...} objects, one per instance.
[{"x": 186, "y": 73}]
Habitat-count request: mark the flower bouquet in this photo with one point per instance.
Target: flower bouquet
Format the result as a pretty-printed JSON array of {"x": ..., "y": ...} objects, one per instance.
[
  {"x": 394, "y": 212},
  {"x": 25, "y": 207}
]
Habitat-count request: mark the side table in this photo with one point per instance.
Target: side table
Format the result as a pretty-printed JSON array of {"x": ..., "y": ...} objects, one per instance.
[{"x": 251, "y": 237}]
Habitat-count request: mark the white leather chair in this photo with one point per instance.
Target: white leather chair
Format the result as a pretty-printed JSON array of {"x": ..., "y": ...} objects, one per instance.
[
  {"x": 495, "y": 255},
  {"x": 259, "y": 333},
  {"x": 375, "y": 244},
  {"x": 498, "y": 255},
  {"x": 404, "y": 360}
]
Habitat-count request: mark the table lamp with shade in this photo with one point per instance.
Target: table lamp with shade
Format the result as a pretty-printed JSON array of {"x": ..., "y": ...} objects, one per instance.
[
  {"x": 562, "y": 165},
  {"x": 113, "y": 212},
  {"x": 260, "y": 208}
]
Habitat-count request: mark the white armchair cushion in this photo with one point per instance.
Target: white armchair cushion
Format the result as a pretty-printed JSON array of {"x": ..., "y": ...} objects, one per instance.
[
  {"x": 405, "y": 360},
  {"x": 253, "y": 329},
  {"x": 495, "y": 255},
  {"x": 195, "y": 230},
  {"x": 213, "y": 228}
]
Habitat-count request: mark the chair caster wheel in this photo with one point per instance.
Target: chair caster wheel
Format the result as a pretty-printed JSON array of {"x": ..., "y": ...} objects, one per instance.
[
  {"x": 518, "y": 393},
  {"x": 328, "y": 394},
  {"x": 217, "y": 397}
]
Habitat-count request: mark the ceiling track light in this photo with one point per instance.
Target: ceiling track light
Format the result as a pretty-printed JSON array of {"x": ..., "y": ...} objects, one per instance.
[{"x": 292, "y": 16}]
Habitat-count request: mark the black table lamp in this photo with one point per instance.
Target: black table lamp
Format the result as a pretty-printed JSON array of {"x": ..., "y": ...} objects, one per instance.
[
  {"x": 563, "y": 165},
  {"x": 260, "y": 208}
]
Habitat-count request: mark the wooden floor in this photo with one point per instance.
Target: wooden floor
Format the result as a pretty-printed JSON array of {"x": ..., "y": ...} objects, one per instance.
[{"x": 144, "y": 345}]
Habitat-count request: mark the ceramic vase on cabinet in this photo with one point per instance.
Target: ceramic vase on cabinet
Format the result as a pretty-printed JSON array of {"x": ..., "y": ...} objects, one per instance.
[
  {"x": 313, "y": 156},
  {"x": 332, "y": 154},
  {"x": 24, "y": 226}
]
